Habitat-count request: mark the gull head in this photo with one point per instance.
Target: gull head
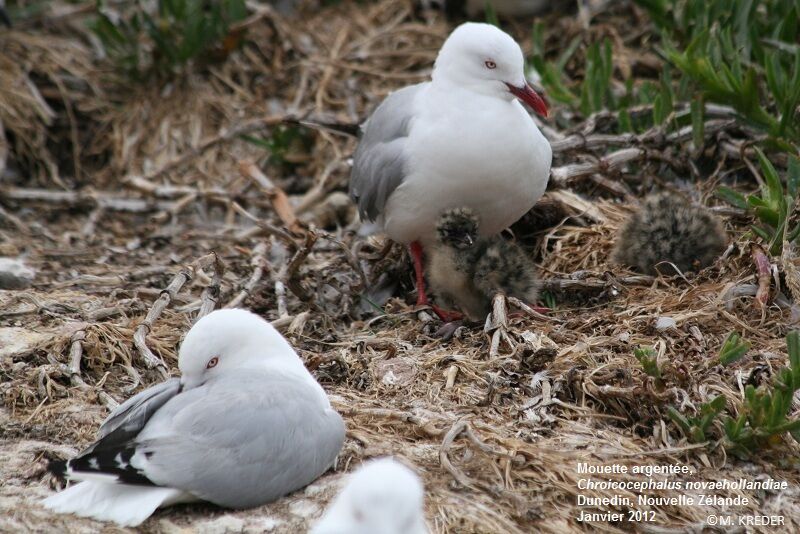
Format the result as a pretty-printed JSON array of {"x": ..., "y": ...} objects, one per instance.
[
  {"x": 231, "y": 339},
  {"x": 382, "y": 497},
  {"x": 486, "y": 59}
]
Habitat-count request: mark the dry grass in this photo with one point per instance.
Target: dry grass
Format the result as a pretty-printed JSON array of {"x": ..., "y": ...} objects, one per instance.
[{"x": 494, "y": 422}]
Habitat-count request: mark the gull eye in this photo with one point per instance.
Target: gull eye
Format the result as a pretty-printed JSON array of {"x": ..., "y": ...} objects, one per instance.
[
  {"x": 490, "y": 64},
  {"x": 212, "y": 362}
]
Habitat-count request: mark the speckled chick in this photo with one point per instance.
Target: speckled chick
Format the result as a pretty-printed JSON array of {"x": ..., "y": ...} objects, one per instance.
[
  {"x": 669, "y": 228},
  {"x": 467, "y": 270}
]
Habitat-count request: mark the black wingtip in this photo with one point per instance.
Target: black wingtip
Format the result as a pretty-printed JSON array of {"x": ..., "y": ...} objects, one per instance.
[
  {"x": 58, "y": 468},
  {"x": 111, "y": 461}
]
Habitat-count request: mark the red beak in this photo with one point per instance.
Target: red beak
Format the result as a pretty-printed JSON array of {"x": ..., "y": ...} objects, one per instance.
[{"x": 528, "y": 94}]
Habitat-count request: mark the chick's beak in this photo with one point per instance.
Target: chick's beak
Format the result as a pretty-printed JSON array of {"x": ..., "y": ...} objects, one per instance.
[{"x": 530, "y": 96}]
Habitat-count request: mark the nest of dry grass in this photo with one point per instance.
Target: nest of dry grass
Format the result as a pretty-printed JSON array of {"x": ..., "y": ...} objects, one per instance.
[{"x": 140, "y": 208}]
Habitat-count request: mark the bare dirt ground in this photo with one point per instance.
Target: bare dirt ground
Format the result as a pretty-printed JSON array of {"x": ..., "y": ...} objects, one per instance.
[{"x": 118, "y": 194}]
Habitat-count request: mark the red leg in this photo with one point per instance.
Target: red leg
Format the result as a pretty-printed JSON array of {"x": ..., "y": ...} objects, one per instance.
[
  {"x": 447, "y": 316},
  {"x": 416, "y": 255}
]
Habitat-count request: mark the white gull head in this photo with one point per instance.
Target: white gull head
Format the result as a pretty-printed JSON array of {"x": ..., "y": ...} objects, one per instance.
[
  {"x": 233, "y": 339},
  {"x": 382, "y": 497},
  {"x": 485, "y": 59}
]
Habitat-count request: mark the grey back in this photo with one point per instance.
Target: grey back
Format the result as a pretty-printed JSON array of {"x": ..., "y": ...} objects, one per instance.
[
  {"x": 379, "y": 162},
  {"x": 243, "y": 439}
]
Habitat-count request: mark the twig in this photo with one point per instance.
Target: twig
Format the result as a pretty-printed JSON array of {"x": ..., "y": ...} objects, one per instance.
[
  {"x": 763, "y": 271},
  {"x": 427, "y": 427},
  {"x": 317, "y": 193},
  {"x": 167, "y": 295},
  {"x": 112, "y": 279},
  {"x": 170, "y": 191},
  {"x": 444, "y": 460},
  {"x": 95, "y": 199},
  {"x": 497, "y": 324},
  {"x": 177, "y": 207},
  {"x": 530, "y": 311},
  {"x": 16, "y": 221},
  {"x": 560, "y": 176},
  {"x": 561, "y": 284},
  {"x": 463, "y": 426},
  {"x": 279, "y": 200},
  {"x": 189, "y": 155},
  {"x": 351, "y": 258},
  {"x": 259, "y": 264},
  {"x": 289, "y": 275},
  {"x": 74, "y": 370},
  {"x": 210, "y": 295},
  {"x": 280, "y": 295},
  {"x": 282, "y": 322},
  {"x": 298, "y": 323},
  {"x": 91, "y": 222},
  {"x": 450, "y": 377},
  {"x": 268, "y": 228}
]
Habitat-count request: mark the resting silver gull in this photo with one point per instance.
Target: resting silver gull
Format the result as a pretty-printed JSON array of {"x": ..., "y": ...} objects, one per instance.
[{"x": 244, "y": 425}]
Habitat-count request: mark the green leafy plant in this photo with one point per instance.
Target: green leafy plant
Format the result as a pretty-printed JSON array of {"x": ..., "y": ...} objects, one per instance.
[
  {"x": 549, "y": 299},
  {"x": 552, "y": 72},
  {"x": 772, "y": 205},
  {"x": 733, "y": 349},
  {"x": 763, "y": 419},
  {"x": 696, "y": 428},
  {"x": 740, "y": 53},
  {"x": 595, "y": 92},
  {"x": 142, "y": 43},
  {"x": 648, "y": 360},
  {"x": 596, "y": 88},
  {"x": 283, "y": 144},
  {"x": 491, "y": 14}
]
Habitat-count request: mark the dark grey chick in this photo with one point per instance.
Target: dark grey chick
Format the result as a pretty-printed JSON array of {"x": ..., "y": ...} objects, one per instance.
[
  {"x": 669, "y": 228},
  {"x": 467, "y": 270}
]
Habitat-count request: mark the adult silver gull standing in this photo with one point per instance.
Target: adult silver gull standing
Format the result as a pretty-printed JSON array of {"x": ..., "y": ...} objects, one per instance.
[
  {"x": 244, "y": 425},
  {"x": 382, "y": 497},
  {"x": 460, "y": 140}
]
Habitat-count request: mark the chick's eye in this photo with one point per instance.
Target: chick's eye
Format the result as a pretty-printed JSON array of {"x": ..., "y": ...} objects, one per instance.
[
  {"x": 212, "y": 362},
  {"x": 490, "y": 64}
]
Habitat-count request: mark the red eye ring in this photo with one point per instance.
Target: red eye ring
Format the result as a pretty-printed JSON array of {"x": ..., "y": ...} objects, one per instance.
[
  {"x": 490, "y": 64},
  {"x": 212, "y": 362}
]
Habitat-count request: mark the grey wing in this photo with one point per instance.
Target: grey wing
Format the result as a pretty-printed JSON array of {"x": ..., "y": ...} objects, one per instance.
[
  {"x": 246, "y": 441},
  {"x": 124, "y": 423},
  {"x": 379, "y": 162}
]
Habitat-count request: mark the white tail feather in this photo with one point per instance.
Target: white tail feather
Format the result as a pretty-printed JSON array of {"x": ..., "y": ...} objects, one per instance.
[{"x": 124, "y": 504}]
